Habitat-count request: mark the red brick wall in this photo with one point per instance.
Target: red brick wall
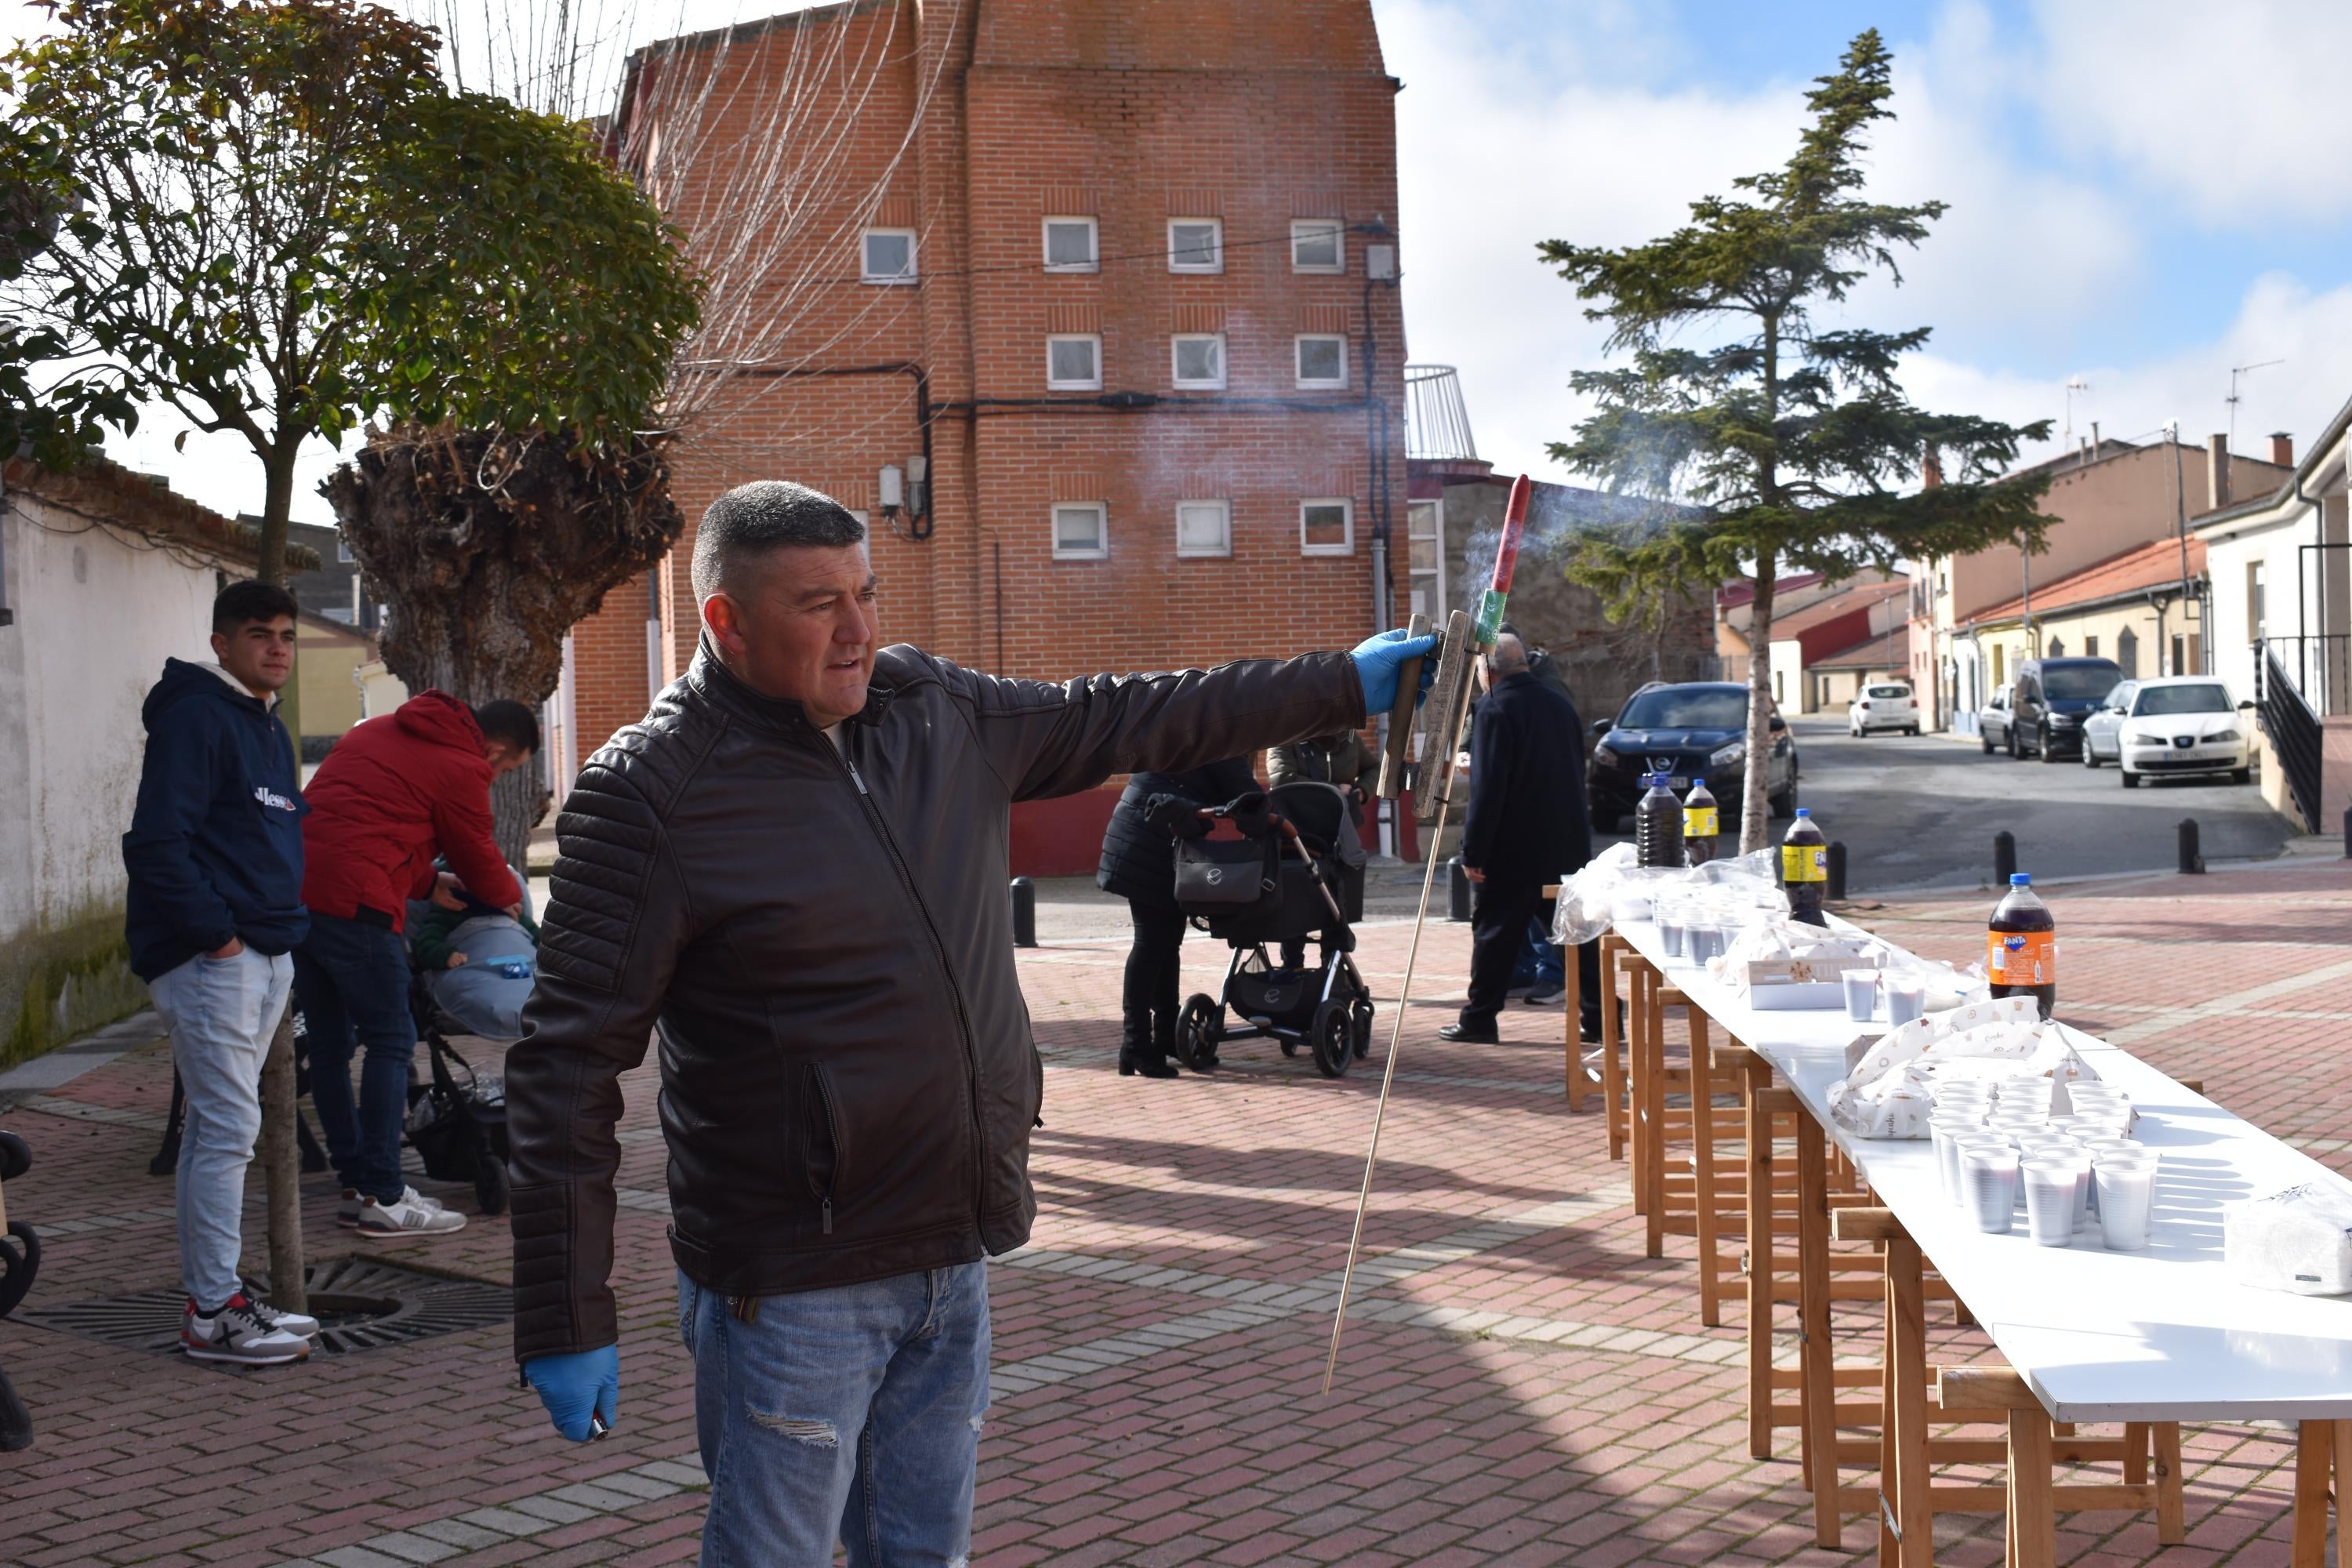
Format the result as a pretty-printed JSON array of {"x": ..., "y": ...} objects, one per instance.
[{"x": 1132, "y": 114}]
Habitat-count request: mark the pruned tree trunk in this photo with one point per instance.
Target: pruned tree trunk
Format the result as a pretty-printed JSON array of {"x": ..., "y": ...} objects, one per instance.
[
  {"x": 489, "y": 549},
  {"x": 1755, "y": 795}
]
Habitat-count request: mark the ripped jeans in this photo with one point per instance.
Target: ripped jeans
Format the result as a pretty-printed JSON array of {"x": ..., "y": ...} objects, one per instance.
[{"x": 853, "y": 1412}]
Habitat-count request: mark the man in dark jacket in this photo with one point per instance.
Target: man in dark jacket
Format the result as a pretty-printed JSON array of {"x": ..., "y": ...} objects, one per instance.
[
  {"x": 215, "y": 858},
  {"x": 395, "y": 790},
  {"x": 1527, "y": 825},
  {"x": 1138, "y": 863},
  {"x": 792, "y": 874}
]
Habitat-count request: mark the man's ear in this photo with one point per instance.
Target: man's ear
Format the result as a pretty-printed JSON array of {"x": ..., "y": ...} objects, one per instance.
[
  {"x": 725, "y": 619},
  {"x": 220, "y": 648}
]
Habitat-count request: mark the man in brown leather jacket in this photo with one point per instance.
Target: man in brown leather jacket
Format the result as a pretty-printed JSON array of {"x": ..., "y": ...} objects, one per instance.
[{"x": 791, "y": 877}]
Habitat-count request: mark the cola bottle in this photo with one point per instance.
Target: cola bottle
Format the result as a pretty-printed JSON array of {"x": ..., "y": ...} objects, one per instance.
[
  {"x": 1658, "y": 825},
  {"x": 1699, "y": 825},
  {"x": 2021, "y": 946},
  {"x": 1805, "y": 868}
]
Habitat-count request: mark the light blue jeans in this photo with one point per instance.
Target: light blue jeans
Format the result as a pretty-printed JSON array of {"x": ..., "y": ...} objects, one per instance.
[
  {"x": 851, "y": 1412},
  {"x": 222, "y": 1013}
]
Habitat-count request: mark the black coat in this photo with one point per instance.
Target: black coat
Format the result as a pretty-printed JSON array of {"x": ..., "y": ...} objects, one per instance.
[
  {"x": 1528, "y": 819},
  {"x": 1139, "y": 858}
]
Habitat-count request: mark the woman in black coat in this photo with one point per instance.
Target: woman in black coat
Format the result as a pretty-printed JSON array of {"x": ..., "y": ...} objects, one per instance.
[{"x": 1138, "y": 863}]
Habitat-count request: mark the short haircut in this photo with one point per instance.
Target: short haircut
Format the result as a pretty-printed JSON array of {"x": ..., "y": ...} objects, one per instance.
[
  {"x": 755, "y": 518},
  {"x": 509, "y": 722},
  {"x": 1508, "y": 655},
  {"x": 241, "y": 603}
]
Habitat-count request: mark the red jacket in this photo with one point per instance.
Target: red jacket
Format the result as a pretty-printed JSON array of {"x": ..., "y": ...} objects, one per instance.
[{"x": 393, "y": 794}]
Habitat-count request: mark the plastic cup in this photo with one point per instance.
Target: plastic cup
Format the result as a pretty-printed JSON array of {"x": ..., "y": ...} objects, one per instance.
[
  {"x": 1861, "y": 995},
  {"x": 2127, "y": 1198},
  {"x": 1670, "y": 934},
  {"x": 1989, "y": 1186},
  {"x": 1947, "y": 1132},
  {"x": 1906, "y": 1000},
  {"x": 2051, "y": 1184}
]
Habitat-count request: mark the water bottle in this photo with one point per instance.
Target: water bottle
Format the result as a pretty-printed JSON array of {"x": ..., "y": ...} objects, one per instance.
[{"x": 1658, "y": 825}]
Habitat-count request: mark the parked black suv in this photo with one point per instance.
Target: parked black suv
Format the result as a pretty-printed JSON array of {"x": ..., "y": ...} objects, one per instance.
[
  {"x": 2050, "y": 702},
  {"x": 1688, "y": 732}
]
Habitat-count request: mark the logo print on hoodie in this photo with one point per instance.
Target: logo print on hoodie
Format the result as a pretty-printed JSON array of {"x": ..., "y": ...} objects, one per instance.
[{"x": 270, "y": 797}]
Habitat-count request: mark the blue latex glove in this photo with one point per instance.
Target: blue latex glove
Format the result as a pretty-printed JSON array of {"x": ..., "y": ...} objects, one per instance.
[
  {"x": 1379, "y": 658},
  {"x": 582, "y": 1390}
]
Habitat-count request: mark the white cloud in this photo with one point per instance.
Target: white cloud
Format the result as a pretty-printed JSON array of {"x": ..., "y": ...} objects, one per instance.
[{"x": 2236, "y": 111}]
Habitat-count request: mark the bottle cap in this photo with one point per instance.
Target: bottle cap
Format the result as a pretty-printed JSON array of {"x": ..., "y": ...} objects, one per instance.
[
  {"x": 2021, "y": 879},
  {"x": 1804, "y": 811}
]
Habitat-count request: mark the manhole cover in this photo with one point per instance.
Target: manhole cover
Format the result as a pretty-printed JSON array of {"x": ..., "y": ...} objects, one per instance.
[{"x": 360, "y": 1304}]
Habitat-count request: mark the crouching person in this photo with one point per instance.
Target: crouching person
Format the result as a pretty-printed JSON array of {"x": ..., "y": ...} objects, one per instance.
[
  {"x": 215, "y": 857},
  {"x": 792, "y": 872}
]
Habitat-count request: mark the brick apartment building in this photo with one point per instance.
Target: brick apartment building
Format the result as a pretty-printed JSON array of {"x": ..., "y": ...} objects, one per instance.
[{"x": 1128, "y": 304}]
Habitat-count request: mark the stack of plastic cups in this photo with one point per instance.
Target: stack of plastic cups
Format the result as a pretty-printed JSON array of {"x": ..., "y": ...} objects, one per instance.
[
  {"x": 2051, "y": 1183},
  {"x": 2096, "y": 1144},
  {"x": 2028, "y": 1093},
  {"x": 1907, "y": 997},
  {"x": 1672, "y": 916},
  {"x": 2126, "y": 1198},
  {"x": 1989, "y": 1182},
  {"x": 1947, "y": 1126}
]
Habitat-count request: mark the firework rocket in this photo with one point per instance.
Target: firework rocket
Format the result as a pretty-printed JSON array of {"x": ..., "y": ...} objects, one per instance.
[{"x": 1507, "y": 558}]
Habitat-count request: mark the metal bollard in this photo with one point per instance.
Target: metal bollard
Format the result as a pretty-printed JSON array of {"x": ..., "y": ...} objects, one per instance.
[
  {"x": 2191, "y": 862},
  {"x": 2004, "y": 858},
  {"x": 1024, "y": 912},
  {"x": 1835, "y": 890},
  {"x": 1458, "y": 890},
  {"x": 2347, "y": 833}
]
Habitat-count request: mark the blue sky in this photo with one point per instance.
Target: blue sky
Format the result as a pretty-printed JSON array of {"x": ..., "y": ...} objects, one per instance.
[{"x": 2141, "y": 201}]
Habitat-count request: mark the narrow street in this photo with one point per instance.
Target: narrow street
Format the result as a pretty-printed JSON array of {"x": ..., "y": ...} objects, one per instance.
[{"x": 1917, "y": 814}]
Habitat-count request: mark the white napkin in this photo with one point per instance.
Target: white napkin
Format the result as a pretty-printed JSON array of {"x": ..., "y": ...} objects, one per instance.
[{"x": 2298, "y": 1240}]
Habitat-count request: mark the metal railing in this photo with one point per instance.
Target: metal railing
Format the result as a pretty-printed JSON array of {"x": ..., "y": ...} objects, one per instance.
[
  {"x": 2320, "y": 666},
  {"x": 2293, "y": 727},
  {"x": 1436, "y": 419}
]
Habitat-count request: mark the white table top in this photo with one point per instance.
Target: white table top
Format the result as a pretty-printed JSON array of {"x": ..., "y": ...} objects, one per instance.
[{"x": 2163, "y": 1334}]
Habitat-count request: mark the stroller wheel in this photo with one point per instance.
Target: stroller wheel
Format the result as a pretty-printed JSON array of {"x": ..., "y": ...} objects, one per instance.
[
  {"x": 1333, "y": 1035},
  {"x": 1197, "y": 1028},
  {"x": 490, "y": 1184},
  {"x": 1359, "y": 1018}
]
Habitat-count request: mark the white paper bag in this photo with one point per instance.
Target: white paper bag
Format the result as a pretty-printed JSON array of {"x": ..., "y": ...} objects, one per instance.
[
  {"x": 2298, "y": 1240},
  {"x": 1891, "y": 1091}
]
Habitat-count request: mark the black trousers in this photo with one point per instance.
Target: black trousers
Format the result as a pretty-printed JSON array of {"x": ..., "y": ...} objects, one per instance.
[
  {"x": 1148, "y": 1000},
  {"x": 1498, "y": 933}
]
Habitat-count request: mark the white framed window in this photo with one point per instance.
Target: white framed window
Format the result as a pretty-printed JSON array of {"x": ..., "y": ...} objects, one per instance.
[
  {"x": 1322, "y": 360},
  {"x": 1204, "y": 527},
  {"x": 1424, "y": 523},
  {"x": 1196, "y": 245},
  {"x": 1081, "y": 530},
  {"x": 1074, "y": 363},
  {"x": 888, "y": 256},
  {"x": 1326, "y": 526},
  {"x": 1198, "y": 360},
  {"x": 1317, "y": 245},
  {"x": 1073, "y": 244}
]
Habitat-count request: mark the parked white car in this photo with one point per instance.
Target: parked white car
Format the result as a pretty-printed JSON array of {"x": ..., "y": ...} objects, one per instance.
[
  {"x": 1883, "y": 705},
  {"x": 2102, "y": 740},
  {"x": 2183, "y": 724}
]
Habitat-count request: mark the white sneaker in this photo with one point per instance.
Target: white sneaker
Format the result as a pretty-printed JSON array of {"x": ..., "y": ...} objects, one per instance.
[
  {"x": 238, "y": 1332},
  {"x": 409, "y": 1217},
  {"x": 299, "y": 1324},
  {"x": 347, "y": 1211}
]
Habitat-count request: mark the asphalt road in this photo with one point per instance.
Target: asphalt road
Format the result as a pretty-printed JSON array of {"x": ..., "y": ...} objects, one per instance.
[{"x": 1922, "y": 813}]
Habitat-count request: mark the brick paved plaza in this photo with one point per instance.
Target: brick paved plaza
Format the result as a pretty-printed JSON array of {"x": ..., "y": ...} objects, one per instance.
[{"x": 1520, "y": 1385}]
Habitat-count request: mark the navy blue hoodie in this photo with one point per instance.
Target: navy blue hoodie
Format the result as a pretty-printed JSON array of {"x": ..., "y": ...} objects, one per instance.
[{"x": 214, "y": 849}]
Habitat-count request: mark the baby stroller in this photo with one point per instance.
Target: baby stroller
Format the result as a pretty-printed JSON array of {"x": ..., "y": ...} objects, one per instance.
[
  {"x": 1297, "y": 871},
  {"x": 457, "y": 1119}
]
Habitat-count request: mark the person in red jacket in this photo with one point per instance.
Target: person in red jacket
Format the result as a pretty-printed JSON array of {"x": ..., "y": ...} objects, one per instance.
[{"x": 395, "y": 792}]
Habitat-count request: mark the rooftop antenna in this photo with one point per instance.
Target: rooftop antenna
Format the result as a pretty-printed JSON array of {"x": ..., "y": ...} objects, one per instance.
[
  {"x": 2073, "y": 385},
  {"x": 2235, "y": 372}
]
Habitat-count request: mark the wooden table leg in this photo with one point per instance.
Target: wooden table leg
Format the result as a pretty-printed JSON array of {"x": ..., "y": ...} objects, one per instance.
[
  {"x": 1906, "y": 1365},
  {"x": 1651, "y": 1041},
  {"x": 1818, "y": 1392},
  {"x": 1573, "y": 1009},
  {"x": 1612, "y": 1064},
  {"x": 1761, "y": 1098},
  {"x": 2343, "y": 1446},
  {"x": 2314, "y": 1443},
  {"x": 2032, "y": 1517},
  {"x": 1703, "y": 1225},
  {"x": 2171, "y": 1508},
  {"x": 1637, "y": 1083}
]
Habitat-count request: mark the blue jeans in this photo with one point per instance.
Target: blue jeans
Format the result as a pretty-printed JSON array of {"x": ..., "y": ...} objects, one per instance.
[
  {"x": 850, "y": 1412},
  {"x": 352, "y": 978},
  {"x": 222, "y": 1013}
]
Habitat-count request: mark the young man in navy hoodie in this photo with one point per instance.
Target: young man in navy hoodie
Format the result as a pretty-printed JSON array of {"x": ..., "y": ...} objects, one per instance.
[{"x": 214, "y": 854}]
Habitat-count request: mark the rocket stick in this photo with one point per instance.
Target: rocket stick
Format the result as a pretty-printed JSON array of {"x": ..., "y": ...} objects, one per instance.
[
  {"x": 1399, "y": 736},
  {"x": 1489, "y": 624}
]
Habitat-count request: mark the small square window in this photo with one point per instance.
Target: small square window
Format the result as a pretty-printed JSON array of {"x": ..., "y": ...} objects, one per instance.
[
  {"x": 1204, "y": 527},
  {"x": 1316, "y": 246},
  {"x": 890, "y": 256},
  {"x": 1326, "y": 526},
  {"x": 1322, "y": 361},
  {"x": 1196, "y": 245},
  {"x": 344, "y": 552},
  {"x": 1200, "y": 360},
  {"x": 1081, "y": 530},
  {"x": 1074, "y": 363},
  {"x": 1070, "y": 245}
]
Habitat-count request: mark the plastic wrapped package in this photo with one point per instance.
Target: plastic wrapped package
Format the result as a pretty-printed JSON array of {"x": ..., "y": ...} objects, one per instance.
[
  {"x": 1612, "y": 887},
  {"x": 1891, "y": 1091},
  {"x": 2299, "y": 1240}
]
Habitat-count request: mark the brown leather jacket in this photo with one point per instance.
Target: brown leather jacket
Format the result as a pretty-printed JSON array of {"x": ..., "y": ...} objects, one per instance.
[{"x": 820, "y": 943}]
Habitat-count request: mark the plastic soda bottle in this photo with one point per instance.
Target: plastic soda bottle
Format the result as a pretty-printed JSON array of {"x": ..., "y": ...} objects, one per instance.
[
  {"x": 1700, "y": 826},
  {"x": 1658, "y": 825},
  {"x": 1805, "y": 868},
  {"x": 2021, "y": 945}
]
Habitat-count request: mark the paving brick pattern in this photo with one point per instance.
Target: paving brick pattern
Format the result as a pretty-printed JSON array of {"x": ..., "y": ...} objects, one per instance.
[{"x": 1520, "y": 1385}]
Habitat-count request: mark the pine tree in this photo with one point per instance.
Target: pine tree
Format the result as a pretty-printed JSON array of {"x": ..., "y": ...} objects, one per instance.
[{"x": 1792, "y": 438}]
